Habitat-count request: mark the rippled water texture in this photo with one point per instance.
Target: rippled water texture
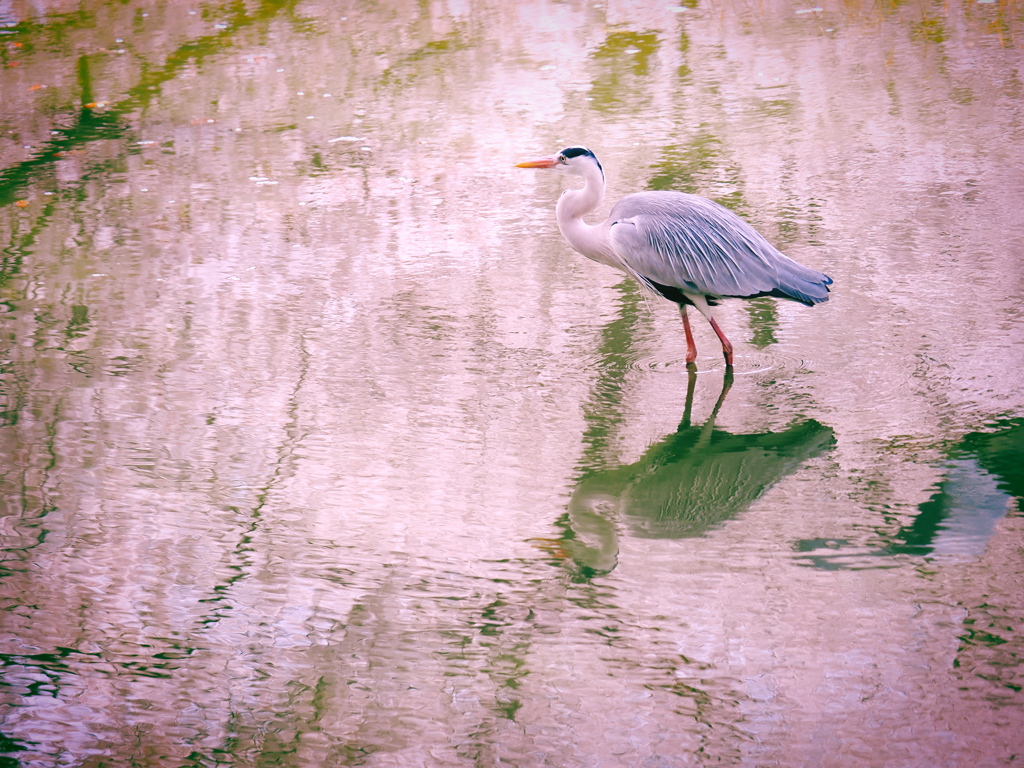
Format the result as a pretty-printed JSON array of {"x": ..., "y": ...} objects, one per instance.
[{"x": 320, "y": 447}]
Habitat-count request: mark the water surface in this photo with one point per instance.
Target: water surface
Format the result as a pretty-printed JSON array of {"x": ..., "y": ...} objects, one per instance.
[{"x": 320, "y": 447}]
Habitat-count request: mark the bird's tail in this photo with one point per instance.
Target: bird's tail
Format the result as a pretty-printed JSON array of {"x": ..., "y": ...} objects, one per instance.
[{"x": 802, "y": 283}]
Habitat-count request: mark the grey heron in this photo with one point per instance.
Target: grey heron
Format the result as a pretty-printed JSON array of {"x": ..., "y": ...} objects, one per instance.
[{"x": 684, "y": 247}]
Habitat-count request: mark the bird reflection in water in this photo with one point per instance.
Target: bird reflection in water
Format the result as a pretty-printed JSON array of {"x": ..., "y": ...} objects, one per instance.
[{"x": 684, "y": 485}]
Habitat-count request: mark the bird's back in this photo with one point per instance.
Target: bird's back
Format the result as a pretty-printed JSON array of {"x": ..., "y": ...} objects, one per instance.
[{"x": 695, "y": 245}]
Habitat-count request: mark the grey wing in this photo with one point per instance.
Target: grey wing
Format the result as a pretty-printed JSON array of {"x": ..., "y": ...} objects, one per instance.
[{"x": 695, "y": 245}]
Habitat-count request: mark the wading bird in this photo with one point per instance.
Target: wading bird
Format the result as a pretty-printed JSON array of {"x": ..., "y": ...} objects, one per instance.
[{"x": 686, "y": 248}]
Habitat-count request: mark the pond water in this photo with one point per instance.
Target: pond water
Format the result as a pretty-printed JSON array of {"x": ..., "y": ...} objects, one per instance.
[{"x": 321, "y": 447}]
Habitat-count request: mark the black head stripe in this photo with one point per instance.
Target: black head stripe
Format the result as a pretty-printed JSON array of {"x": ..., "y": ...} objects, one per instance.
[{"x": 571, "y": 152}]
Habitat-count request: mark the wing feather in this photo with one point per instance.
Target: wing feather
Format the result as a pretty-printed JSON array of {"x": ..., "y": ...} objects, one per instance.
[{"x": 697, "y": 246}]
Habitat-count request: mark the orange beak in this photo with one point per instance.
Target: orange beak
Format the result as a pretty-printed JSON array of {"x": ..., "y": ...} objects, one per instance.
[{"x": 543, "y": 162}]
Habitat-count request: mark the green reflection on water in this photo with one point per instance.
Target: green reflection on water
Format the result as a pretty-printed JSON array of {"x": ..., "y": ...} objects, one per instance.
[
  {"x": 98, "y": 123},
  {"x": 931, "y": 29},
  {"x": 685, "y": 484},
  {"x": 983, "y": 478},
  {"x": 622, "y": 54},
  {"x": 698, "y": 167},
  {"x": 602, "y": 411},
  {"x": 488, "y": 648},
  {"x": 400, "y": 73},
  {"x": 982, "y": 481},
  {"x": 764, "y": 319}
]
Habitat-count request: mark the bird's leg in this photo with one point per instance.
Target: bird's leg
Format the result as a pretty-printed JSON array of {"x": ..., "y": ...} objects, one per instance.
[
  {"x": 726, "y": 344},
  {"x": 691, "y": 348},
  {"x": 701, "y": 303}
]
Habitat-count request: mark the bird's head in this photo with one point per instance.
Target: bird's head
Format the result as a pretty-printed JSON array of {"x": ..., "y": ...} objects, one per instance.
[{"x": 577, "y": 161}]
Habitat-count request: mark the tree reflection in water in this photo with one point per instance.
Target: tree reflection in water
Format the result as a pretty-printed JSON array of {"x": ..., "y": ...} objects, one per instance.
[
  {"x": 684, "y": 485},
  {"x": 982, "y": 481},
  {"x": 983, "y": 477}
]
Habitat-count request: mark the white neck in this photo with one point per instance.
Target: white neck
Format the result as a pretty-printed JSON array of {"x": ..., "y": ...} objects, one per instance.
[{"x": 591, "y": 241}]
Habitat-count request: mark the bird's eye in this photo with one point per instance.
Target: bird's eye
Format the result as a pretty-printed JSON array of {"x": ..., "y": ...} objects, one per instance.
[{"x": 563, "y": 159}]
